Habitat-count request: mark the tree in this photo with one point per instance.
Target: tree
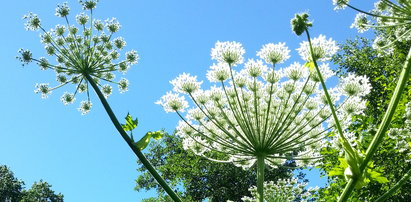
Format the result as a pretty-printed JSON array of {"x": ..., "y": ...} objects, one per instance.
[
  {"x": 10, "y": 186},
  {"x": 197, "y": 178},
  {"x": 358, "y": 56},
  {"x": 11, "y": 189}
]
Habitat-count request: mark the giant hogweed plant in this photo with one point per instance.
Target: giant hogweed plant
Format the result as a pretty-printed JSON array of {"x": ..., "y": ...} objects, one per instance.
[
  {"x": 395, "y": 17},
  {"x": 87, "y": 54},
  {"x": 263, "y": 115}
]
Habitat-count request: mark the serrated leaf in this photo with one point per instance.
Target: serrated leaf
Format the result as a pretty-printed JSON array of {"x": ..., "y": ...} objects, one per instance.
[{"x": 130, "y": 123}]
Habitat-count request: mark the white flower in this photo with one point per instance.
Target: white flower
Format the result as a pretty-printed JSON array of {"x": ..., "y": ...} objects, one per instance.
[
  {"x": 123, "y": 85},
  {"x": 33, "y": 22},
  {"x": 218, "y": 72},
  {"x": 228, "y": 52},
  {"x": 353, "y": 85},
  {"x": 132, "y": 57},
  {"x": 85, "y": 107},
  {"x": 255, "y": 68},
  {"x": 185, "y": 83},
  {"x": 323, "y": 49},
  {"x": 81, "y": 18},
  {"x": 274, "y": 53},
  {"x": 360, "y": 23},
  {"x": 62, "y": 10},
  {"x": 171, "y": 102},
  {"x": 107, "y": 90},
  {"x": 296, "y": 71},
  {"x": 44, "y": 89},
  {"x": 340, "y": 4},
  {"x": 67, "y": 98},
  {"x": 113, "y": 25}
]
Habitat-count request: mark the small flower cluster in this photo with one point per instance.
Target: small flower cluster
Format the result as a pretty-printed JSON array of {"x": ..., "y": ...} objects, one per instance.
[
  {"x": 286, "y": 190},
  {"x": 402, "y": 136},
  {"x": 90, "y": 51},
  {"x": 387, "y": 15},
  {"x": 282, "y": 114}
]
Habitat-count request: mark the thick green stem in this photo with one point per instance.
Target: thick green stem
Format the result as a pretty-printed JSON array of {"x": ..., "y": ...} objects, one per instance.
[
  {"x": 384, "y": 126},
  {"x": 260, "y": 177},
  {"x": 395, "y": 188},
  {"x": 130, "y": 142}
]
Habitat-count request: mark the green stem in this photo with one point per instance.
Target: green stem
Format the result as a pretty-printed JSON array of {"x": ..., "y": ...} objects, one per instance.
[
  {"x": 395, "y": 188},
  {"x": 327, "y": 95},
  {"x": 384, "y": 126},
  {"x": 130, "y": 142},
  {"x": 260, "y": 177}
]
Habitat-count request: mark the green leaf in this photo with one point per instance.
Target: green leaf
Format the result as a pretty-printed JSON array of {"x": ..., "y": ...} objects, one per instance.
[
  {"x": 310, "y": 65},
  {"x": 130, "y": 123},
  {"x": 143, "y": 142},
  {"x": 376, "y": 176}
]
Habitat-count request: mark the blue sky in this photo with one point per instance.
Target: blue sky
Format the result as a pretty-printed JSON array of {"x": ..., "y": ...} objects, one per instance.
[{"x": 83, "y": 157}]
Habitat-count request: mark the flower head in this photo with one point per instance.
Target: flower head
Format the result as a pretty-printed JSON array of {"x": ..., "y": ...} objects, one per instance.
[
  {"x": 340, "y": 4},
  {"x": 274, "y": 53},
  {"x": 172, "y": 102},
  {"x": 33, "y": 22},
  {"x": 81, "y": 56},
  {"x": 185, "y": 83},
  {"x": 282, "y": 114},
  {"x": 360, "y": 23},
  {"x": 62, "y": 10},
  {"x": 300, "y": 23},
  {"x": 228, "y": 52},
  {"x": 323, "y": 49},
  {"x": 88, "y": 4}
]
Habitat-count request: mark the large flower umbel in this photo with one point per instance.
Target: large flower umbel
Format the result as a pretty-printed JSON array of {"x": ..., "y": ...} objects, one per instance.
[
  {"x": 258, "y": 111},
  {"x": 90, "y": 49}
]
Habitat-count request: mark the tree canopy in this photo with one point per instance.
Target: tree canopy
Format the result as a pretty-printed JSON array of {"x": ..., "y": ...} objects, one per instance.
[{"x": 12, "y": 189}]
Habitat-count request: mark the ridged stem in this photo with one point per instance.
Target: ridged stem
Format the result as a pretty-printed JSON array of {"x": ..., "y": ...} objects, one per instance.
[
  {"x": 130, "y": 142},
  {"x": 260, "y": 178},
  {"x": 384, "y": 126}
]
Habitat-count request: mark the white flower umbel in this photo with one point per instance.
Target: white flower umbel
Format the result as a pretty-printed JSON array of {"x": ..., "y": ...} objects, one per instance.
[
  {"x": 360, "y": 23},
  {"x": 228, "y": 52},
  {"x": 323, "y": 49},
  {"x": 340, "y": 4},
  {"x": 250, "y": 113},
  {"x": 274, "y": 53},
  {"x": 89, "y": 50},
  {"x": 386, "y": 15}
]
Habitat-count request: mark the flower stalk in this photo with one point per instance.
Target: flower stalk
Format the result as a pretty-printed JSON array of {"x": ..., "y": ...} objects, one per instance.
[
  {"x": 384, "y": 126},
  {"x": 130, "y": 142},
  {"x": 260, "y": 177}
]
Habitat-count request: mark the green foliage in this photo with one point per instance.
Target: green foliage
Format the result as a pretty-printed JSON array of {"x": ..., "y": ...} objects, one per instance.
[
  {"x": 200, "y": 178},
  {"x": 143, "y": 142},
  {"x": 131, "y": 124},
  {"x": 357, "y": 56},
  {"x": 11, "y": 189},
  {"x": 10, "y": 186},
  {"x": 41, "y": 192}
]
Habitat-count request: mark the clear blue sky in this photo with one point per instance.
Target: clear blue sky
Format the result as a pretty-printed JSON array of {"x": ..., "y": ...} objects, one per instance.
[{"x": 83, "y": 157}]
